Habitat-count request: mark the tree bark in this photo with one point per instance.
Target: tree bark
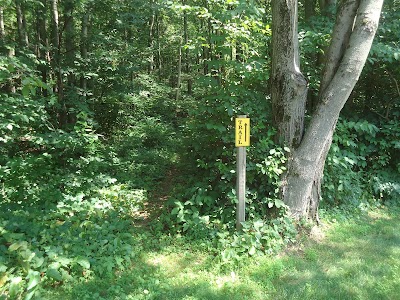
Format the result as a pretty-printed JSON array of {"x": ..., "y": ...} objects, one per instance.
[
  {"x": 69, "y": 26},
  {"x": 21, "y": 22},
  {"x": 151, "y": 42},
  {"x": 301, "y": 185},
  {"x": 289, "y": 86},
  {"x": 2, "y": 27},
  {"x": 159, "y": 52},
  {"x": 186, "y": 58},
  {"x": 84, "y": 46},
  {"x": 340, "y": 39},
  {"x": 42, "y": 41},
  {"x": 56, "y": 63},
  {"x": 179, "y": 71}
]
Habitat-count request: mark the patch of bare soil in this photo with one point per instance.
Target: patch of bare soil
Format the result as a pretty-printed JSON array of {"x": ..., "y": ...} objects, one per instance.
[{"x": 157, "y": 198}]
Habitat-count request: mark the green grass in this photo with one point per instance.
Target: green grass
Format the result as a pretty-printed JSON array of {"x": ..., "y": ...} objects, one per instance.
[{"x": 358, "y": 259}]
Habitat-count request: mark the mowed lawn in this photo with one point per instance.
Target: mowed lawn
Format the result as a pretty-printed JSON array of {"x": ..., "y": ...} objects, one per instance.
[{"x": 354, "y": 259}]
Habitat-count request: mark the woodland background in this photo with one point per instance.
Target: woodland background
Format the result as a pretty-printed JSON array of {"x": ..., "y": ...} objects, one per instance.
[{"x": 117, "y": 123}]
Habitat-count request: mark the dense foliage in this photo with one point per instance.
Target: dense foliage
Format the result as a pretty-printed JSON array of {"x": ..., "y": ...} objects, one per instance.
[{"x": 109, "y": 108}]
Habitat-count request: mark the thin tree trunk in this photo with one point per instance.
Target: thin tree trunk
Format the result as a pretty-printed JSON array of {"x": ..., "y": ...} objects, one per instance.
[
  {"x": 42, "y": 41},
  {"x": 69, "y": 26},
  {"x": 59, "y": 89},
  {"x": 179, "y": 71},
  {"x": 159, "y": 53},
  {"x": 2, "y": 28},
  {"x": 21, "y": 22},
  {"x": 84, "y": 47},
  {"x": 151, "y": 42},
  {"x": 186, "y": 59}
]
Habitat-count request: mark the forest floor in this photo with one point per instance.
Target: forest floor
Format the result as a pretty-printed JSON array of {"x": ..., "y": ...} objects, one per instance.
[{"x": 355, "y": 257}]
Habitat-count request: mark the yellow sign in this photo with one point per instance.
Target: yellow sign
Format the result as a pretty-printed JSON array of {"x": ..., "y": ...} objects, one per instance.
[{"x": 242, "y": 132}]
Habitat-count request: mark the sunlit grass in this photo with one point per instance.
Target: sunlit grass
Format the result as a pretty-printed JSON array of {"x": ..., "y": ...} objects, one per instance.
[{"x": 358, "y": 259}]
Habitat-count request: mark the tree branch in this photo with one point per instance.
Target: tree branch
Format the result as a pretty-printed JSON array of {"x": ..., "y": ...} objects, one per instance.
[{"x": 340, "y": 40}]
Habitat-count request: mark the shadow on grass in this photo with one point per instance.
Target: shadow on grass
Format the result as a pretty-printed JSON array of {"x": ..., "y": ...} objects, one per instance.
[
  {"x": 357, "y": 261},
  {"x": 158, "y": 276}
]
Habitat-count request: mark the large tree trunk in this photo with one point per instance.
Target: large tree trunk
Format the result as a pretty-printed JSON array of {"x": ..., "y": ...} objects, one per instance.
[
  {"x": 289, "y": 87},
  {"x": 347, "y": 55}
]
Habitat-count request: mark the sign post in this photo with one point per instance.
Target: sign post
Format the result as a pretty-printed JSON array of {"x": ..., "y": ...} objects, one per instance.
[{"x": 242, "y": 140}]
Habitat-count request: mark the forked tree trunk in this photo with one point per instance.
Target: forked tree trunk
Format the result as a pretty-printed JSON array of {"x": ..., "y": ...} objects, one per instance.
[{"x": 349, "y": 49}]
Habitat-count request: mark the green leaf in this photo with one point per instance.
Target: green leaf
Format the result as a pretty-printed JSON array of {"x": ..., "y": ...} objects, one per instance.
[
  {"x": 24, "y": 118},
  {"x": 55, "y": 274},
  {"x": 83, "y": 262},
  {"x": 14, "y": 287},
  {"x": 3, "y": 268},
  {"x": 37, "y": 262},
  {"x": 64, "y": 261},
  {"x": 279, "y": 203},
  {"x": 25, "y": 91},
  {"x": 17, "y": 245},
  {"x": 258, "y": 224},
  {"x": 29, "y": 295},
  {"x": 34, "y": 279}
]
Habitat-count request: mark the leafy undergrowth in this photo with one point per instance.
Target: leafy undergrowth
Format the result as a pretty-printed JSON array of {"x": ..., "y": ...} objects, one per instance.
[
  {"x": 358, "y": 259},
  {"x": 67, "y": 241}
]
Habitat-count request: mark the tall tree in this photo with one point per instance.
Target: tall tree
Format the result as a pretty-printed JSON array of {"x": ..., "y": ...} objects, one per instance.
[
  {"x": 356, "y": 24},
  {"x": 2, "y": 28},
  {"x": 42, "y": 39},
  {"x": 56, "y": 60},
  {"x": 84, "y": 46},
  {"x": 69, "y": 25},
  {"x": 21, "y": 22}
]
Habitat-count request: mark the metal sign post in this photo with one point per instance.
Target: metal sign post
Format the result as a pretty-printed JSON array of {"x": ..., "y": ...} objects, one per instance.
[{"x": 242, "y": 140}]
